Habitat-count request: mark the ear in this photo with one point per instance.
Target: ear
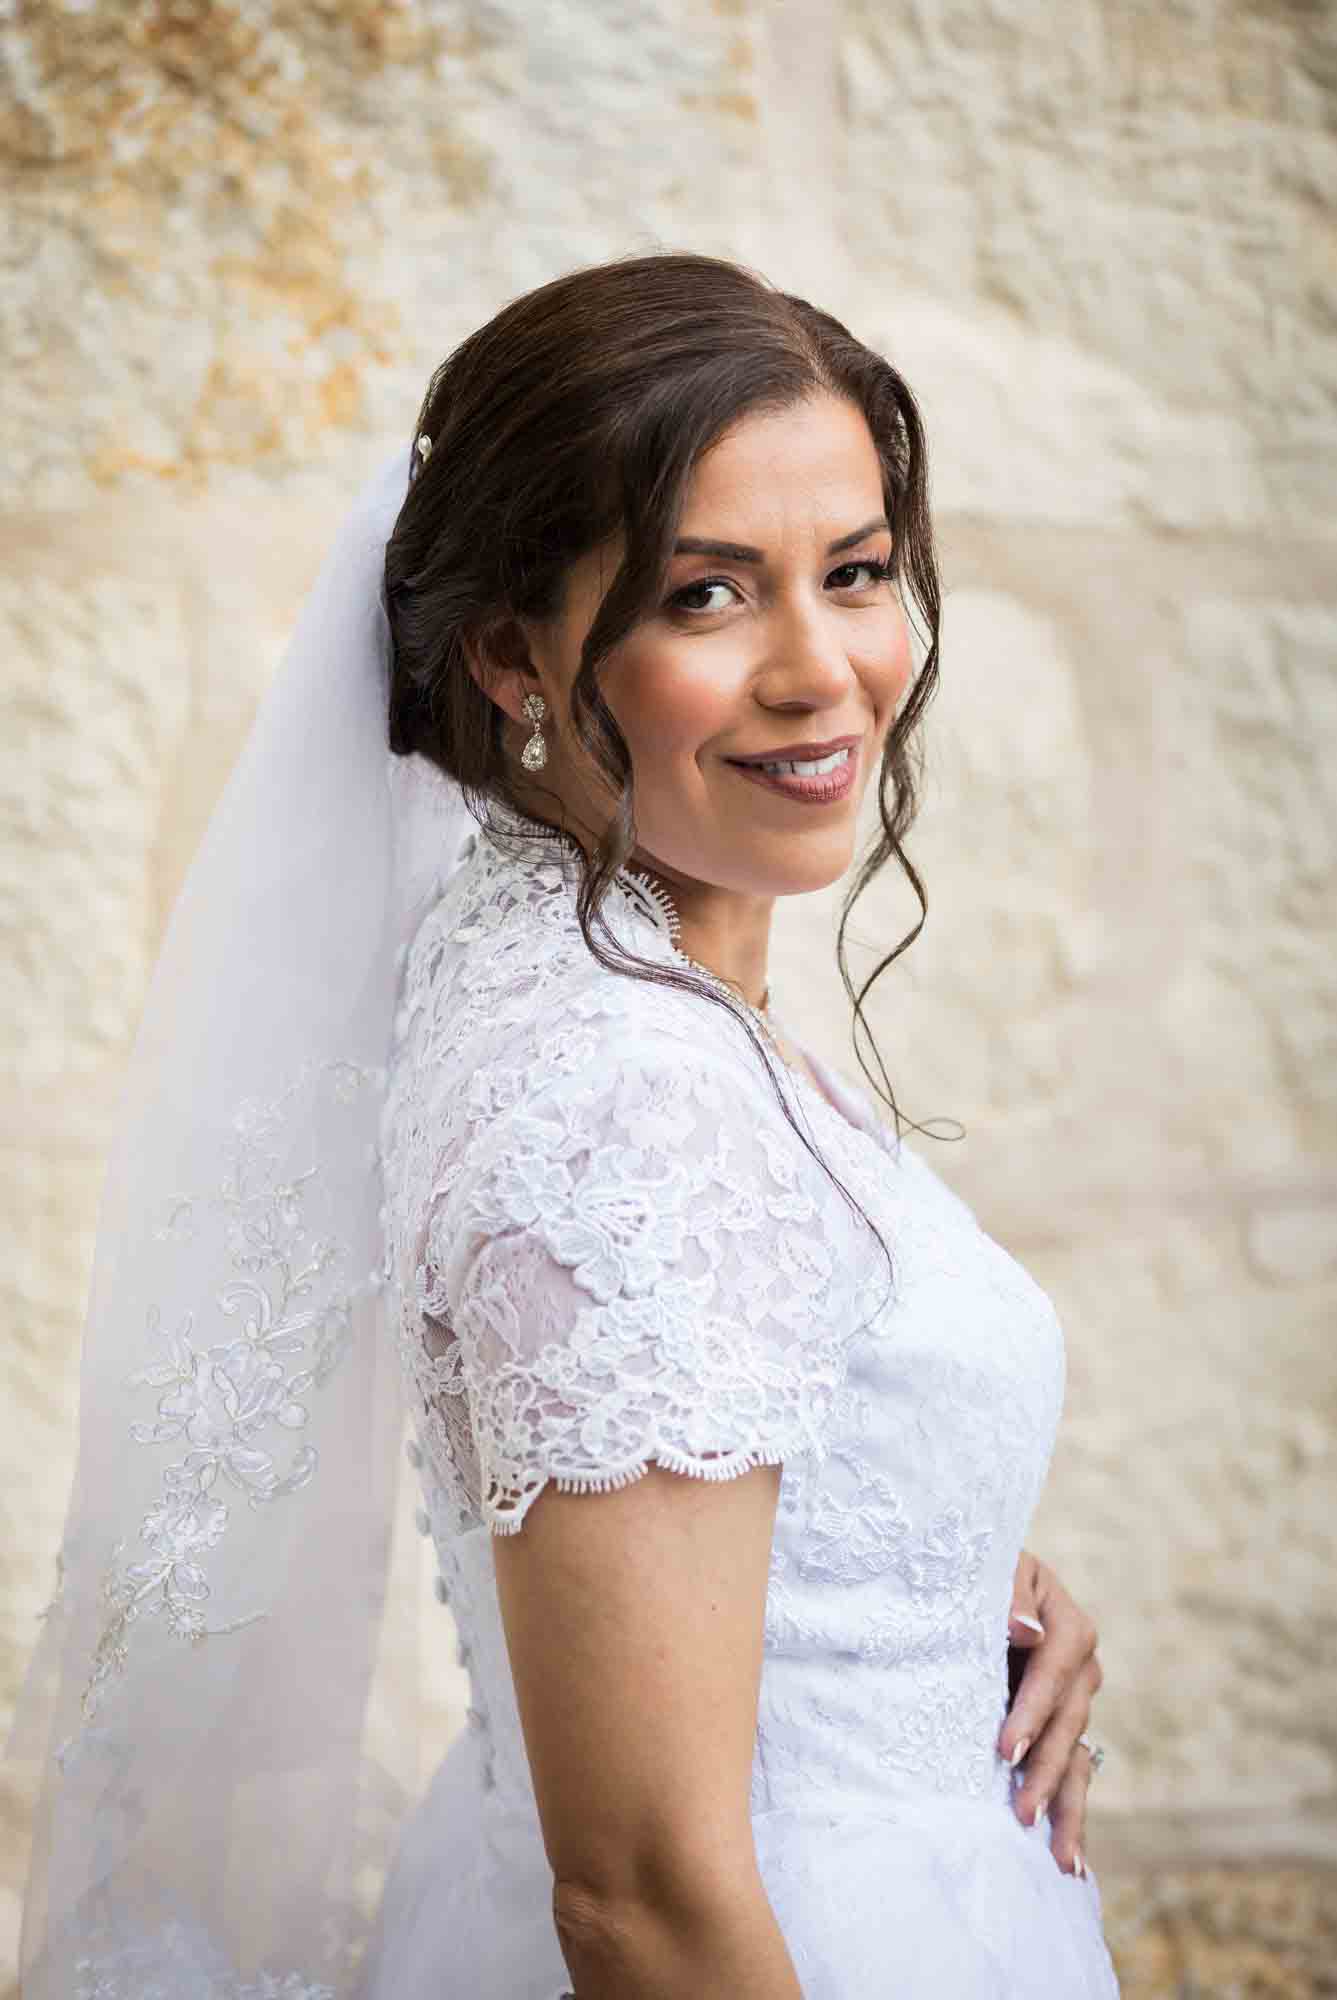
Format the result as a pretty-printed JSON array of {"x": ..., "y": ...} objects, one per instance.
[{"x": 499, "y": 659}]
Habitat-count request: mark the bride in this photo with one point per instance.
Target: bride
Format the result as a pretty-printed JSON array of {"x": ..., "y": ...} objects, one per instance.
[{"x": 727, "y": 1416}]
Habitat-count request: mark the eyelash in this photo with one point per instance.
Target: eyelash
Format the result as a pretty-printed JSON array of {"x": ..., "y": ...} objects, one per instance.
[{"x": 881, "y": 571}]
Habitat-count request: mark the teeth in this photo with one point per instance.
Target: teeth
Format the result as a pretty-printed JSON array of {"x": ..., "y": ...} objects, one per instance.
[{"x": 817, "y": 765}]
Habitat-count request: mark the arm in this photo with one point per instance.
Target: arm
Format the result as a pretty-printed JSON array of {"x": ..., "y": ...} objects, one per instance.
[
  {"x": 602, "y": 1335},
  {"x": 634, "y": 1625}
]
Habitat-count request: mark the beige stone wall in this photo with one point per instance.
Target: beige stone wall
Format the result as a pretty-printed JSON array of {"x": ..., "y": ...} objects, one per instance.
[{"x": 1099, "y": 243}]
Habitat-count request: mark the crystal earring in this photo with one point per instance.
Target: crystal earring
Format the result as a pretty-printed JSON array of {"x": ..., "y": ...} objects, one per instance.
[{"x": 535, "y": 753}]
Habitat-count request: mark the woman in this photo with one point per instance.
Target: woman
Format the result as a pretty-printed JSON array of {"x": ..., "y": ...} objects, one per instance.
[{"x": 728, "y": 1417}]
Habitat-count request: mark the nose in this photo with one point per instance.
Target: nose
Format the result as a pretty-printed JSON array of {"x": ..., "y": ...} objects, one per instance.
[{"x": 809, "y": 665}]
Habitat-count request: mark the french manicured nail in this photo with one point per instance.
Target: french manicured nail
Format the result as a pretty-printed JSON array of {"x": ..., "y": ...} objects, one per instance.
[
  {"x": 1020, "y": 1752},
  {"x": 1020, "y": 1618},
  {"x": 1040, "y": 1805},
  {"x": 1079, "y": 1862}
]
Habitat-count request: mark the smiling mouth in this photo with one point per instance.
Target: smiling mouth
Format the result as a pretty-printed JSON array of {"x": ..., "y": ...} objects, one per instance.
[
  {"x": 802, "y": 767},
  {"x": 814, "y": 781}
]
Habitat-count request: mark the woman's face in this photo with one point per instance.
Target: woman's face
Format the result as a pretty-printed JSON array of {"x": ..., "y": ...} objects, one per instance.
[{"x": 784, "y": 632}]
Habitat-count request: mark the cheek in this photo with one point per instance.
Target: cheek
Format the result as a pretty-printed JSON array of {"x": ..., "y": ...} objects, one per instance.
[
  {"x": 895, "y": 666},
  {"x": 669, "y": 710}
]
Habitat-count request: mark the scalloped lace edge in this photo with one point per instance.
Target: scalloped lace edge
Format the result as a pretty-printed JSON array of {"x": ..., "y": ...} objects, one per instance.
[{"x": 731, "y": 1467}]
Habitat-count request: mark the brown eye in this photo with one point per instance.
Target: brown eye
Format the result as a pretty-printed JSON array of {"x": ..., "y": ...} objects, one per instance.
[
  {"x": 880, "y": 571},
  {"x": 675, "y": 602}
]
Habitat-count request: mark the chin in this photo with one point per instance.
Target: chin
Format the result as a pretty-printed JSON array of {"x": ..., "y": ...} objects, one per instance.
[
  {"x": 800, "y": 868},
  {"x": 809, "y": 880},
  {"x": 751, "y": 861}
]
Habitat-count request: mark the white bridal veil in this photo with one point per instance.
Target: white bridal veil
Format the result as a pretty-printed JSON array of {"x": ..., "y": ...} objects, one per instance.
[{"x": 212, "y": 1821}]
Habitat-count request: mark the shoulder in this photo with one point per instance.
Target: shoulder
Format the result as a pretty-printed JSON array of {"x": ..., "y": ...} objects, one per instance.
[
  {"x": 502, "y": 1013},
  {"x": 645, "y": 1093},
  {"x": 638, "y": 1265}
]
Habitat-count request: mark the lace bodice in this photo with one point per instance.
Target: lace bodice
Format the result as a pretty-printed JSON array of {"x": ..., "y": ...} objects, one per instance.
[{"x": 610, "y": 1247}]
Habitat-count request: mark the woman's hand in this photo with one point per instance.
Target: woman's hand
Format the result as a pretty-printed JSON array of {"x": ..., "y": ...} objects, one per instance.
[{"x": 1059, "y": 1674}]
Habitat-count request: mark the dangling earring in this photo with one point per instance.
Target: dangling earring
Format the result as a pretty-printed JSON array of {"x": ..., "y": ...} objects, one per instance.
[{"x": 535, "y": 753}]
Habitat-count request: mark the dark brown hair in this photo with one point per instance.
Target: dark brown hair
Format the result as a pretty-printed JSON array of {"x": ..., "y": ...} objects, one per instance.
[{"x": 579, "y": 411}]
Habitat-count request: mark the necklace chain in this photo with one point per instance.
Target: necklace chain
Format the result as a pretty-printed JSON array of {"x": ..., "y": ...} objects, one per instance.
[
  {"x": 763, "y": 1011},
  {"x": 761, "y": 1015},
  {"x": 668, "y": 916}
]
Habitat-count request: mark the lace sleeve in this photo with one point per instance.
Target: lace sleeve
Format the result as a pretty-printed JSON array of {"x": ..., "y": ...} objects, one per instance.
[{"x": 635, "y": 1268}]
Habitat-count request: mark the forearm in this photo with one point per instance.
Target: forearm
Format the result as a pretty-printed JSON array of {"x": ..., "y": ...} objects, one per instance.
[{"x": 718, "y": 1944}]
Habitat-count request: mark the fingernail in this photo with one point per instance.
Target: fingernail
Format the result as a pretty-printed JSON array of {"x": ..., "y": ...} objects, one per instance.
[
  {"x": 1079, "y": 1862},
  {"x": 1020, "y": 1618},
  {"x": 1019, "y": 1752},
  {"x": 1040, "y": 1805}
]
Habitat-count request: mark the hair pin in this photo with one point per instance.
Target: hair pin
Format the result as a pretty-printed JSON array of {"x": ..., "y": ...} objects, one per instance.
[{"x": 424, "y": 447}]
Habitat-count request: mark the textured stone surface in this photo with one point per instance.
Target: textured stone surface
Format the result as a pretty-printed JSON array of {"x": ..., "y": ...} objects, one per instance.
[
  {"x": 305, "y": 206},
  {"x": 1136, "y": 207},
  {"x": 1248, "y": 1933},
  {"x": 241, "y": 235}
]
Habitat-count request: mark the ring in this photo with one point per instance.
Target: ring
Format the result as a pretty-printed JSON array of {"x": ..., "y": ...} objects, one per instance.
[{"x": 1097, "y": 1754}]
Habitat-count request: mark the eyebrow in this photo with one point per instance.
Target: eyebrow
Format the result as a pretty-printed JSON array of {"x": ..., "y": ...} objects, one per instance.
[{"x": 702, "y": 545}]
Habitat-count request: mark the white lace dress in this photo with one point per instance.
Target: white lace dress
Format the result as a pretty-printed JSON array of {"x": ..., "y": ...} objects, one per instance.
[{"x": 610, "y": 1247}]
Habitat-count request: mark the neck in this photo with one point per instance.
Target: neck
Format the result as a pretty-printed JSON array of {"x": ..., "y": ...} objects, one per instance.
[{"x": 721, "y": 930}]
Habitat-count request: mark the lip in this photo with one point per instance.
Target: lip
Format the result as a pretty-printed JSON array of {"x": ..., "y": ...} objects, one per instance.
[
  {"x": 796, "y": 752},
  {"x": 821, "y": 790}
]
